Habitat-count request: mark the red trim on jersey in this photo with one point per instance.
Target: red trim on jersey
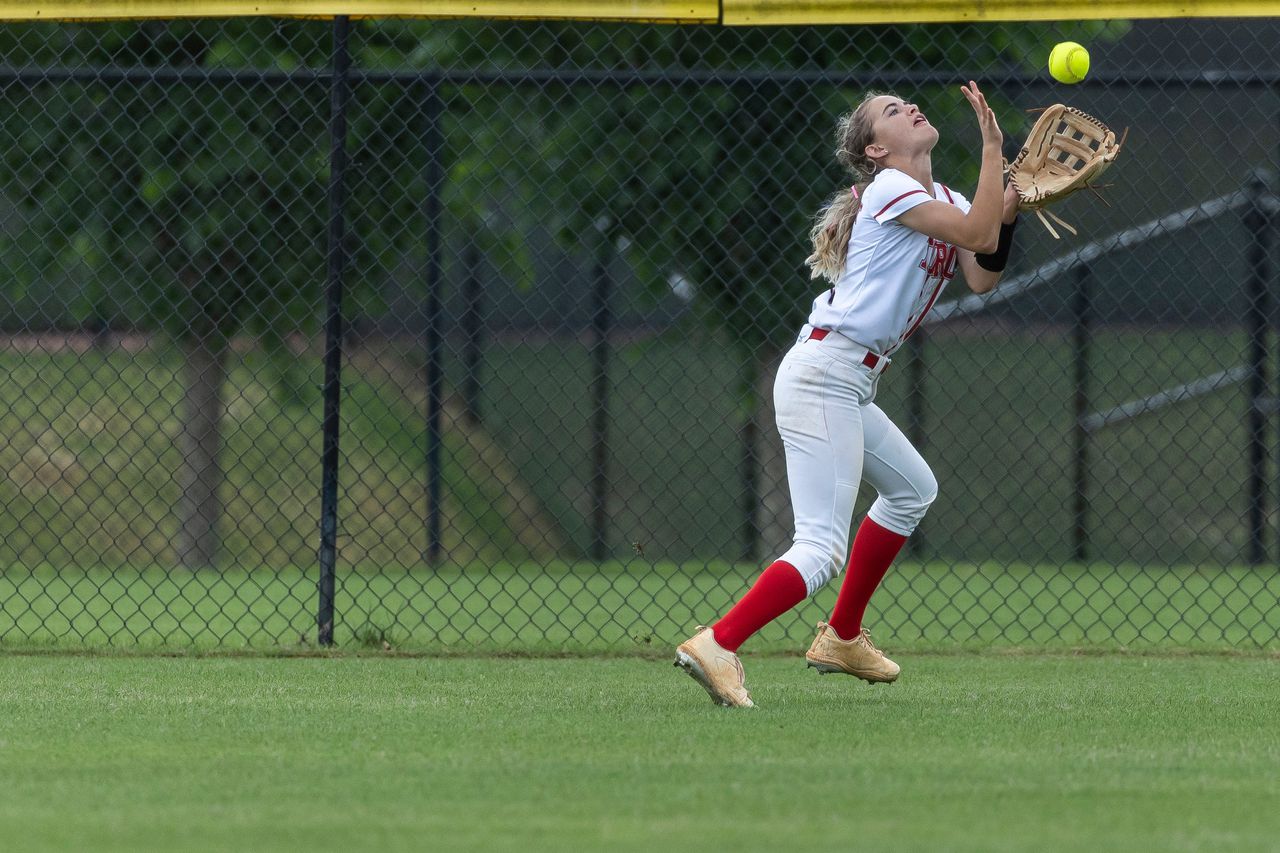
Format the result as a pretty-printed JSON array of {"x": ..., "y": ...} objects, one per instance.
[
  {"x": 941, "y": 283},
  {"x": 896, "y": 200}
]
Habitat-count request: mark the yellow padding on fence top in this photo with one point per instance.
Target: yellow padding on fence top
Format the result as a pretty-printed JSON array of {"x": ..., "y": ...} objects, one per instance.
[
  {"x": 771, "y": 12},
  {"x": 689, "y": 11},
  {"x": 734, "y": 12}
]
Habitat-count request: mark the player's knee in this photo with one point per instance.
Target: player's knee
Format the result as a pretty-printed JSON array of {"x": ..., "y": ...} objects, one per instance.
[
  {"x": 831, "y": 569},
  {"x": 902, "y": 511},
  {"x": 815, "y": 563},
  {"x": 915, "y": 502},
  {"x": 928, "y": 491},
  {"x": 912, "y": 510}
]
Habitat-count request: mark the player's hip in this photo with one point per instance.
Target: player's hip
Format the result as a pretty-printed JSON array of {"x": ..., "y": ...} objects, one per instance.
[
  {"x": 817, "y": 391},
  {"x": 843, "y": 347}
]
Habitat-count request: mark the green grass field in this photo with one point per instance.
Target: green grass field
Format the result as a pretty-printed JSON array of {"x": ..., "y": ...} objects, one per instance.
[
  {"x": 967, "y": 752},
  {"x": 512, "y": 701}
]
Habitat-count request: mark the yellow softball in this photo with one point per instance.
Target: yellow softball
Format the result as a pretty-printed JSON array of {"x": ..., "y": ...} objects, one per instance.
[{"x": 1068, "y": 62}]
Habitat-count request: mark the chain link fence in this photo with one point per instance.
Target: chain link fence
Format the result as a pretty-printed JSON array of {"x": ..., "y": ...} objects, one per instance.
[{"x": 458, "y": 335}]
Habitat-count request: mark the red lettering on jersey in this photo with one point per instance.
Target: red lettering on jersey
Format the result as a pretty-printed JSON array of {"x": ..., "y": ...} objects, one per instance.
[{"x": 939, "y": 261}]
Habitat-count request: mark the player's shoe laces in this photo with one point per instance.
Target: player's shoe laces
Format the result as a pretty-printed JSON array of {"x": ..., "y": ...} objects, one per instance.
[
  {"x": 858, "y": 657},
  {"x": 716, "y": 668}
]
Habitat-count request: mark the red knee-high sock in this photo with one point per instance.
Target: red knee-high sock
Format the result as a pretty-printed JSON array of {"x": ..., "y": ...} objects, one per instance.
[
  {"x": 778, "y": 589},
  {"x": 873, "y": 550}
]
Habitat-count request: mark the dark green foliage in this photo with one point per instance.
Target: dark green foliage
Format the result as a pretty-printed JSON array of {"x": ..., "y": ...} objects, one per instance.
[{"x": 201, "y": 208}]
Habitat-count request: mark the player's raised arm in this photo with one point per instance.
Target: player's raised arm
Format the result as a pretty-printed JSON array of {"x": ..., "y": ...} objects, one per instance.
[{"x": 979, "y": 229}]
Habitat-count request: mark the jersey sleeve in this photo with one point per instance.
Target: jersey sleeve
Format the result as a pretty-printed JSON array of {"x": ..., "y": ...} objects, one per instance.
[
  {"x": 956, "y": 198},
  {"x": 892, "y": 194}
]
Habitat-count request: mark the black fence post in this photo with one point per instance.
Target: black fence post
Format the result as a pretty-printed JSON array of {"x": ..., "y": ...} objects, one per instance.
[
  {"x": 433, "y": 139},
  {"x": 473, "y": 329},
  {"x": 339, "y": 95},
  {"x": 1268, "y": 210},
  {"x": 1082, "y": 316},
  {"x": 1256, "y": 311},
  {"x": 915, "y": 416},
  {"x": 601, "y": 324},
  {"x": 749, "y": 378}
]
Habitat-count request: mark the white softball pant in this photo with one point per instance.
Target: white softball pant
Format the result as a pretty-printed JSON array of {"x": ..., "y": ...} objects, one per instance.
[{"x": 834, "y": 435}]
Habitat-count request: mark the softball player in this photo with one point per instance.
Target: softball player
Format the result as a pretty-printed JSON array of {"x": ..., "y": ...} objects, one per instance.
[{"x": 888, "y": 245}]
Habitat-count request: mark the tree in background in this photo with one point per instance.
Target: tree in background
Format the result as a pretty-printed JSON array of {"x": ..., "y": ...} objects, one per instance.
[
  {"x": 198, "y": 208},
  {"x": 193, "y": 209}
]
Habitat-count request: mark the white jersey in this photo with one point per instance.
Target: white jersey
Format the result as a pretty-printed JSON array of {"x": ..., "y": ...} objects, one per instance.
[{"x": 892, "y": 274}]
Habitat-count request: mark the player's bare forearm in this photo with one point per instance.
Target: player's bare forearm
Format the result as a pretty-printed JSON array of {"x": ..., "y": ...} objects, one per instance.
[
  {"x": 975, "y": 231},
  {"x": 983, "y": 219},
  {"x": 988, "y": 202},
  {"x": 1010, "y": 205}
]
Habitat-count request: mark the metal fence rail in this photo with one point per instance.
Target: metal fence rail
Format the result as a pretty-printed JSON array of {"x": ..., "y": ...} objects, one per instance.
[{"x": 462, "y": 335}]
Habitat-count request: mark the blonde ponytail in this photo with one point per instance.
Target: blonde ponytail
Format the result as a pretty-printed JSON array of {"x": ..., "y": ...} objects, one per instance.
[
  {"x": 834, "y": 223},
  {"x": 830, "y": 235}
]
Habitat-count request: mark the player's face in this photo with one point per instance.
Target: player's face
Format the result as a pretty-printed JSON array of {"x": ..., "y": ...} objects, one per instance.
[{"x": 899, "y": 127}]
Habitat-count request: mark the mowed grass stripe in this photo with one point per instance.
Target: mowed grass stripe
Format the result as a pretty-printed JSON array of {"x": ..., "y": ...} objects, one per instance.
[
  {"x": 633, "y": 608},
  {"x": 966, "y": 752}
]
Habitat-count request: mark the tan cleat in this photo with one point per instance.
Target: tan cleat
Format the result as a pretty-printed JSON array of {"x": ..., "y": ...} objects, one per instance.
[
  {"x": 716, "y": 668},
  {"x": 857, "y": 657}
]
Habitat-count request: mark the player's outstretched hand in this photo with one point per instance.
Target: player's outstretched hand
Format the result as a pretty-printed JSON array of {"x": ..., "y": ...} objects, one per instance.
[{"x": 991, "y": 134}]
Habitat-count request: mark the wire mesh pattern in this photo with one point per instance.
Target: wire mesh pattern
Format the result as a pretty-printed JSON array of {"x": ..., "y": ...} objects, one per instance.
[{"x": 458, "y": 335}]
